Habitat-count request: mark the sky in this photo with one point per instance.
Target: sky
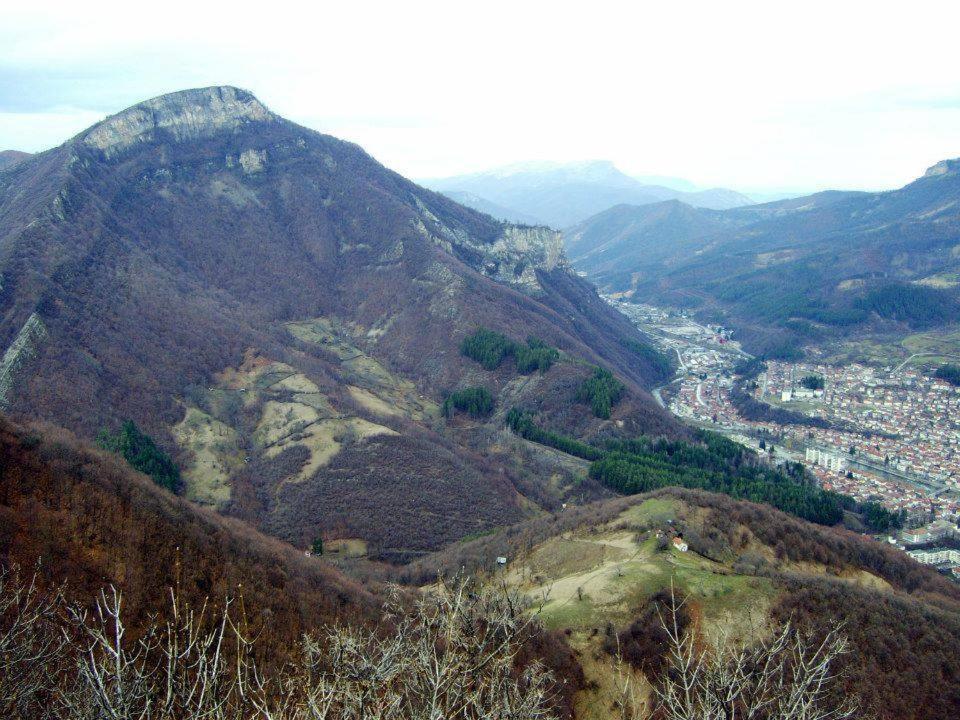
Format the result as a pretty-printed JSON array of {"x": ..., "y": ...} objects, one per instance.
[{"x": 757, "y": 96}]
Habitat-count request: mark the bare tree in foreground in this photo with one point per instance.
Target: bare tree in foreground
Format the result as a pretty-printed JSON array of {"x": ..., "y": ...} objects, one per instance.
[
  {"x": 451, "y": 656},
  {"x": 31, "y": 646},
  {"x": 189, "y": 666},
  {"x": 788, "y": 676}
]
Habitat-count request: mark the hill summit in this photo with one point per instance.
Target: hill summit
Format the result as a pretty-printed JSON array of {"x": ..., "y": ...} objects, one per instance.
[
  {"x": 185, "y": 115},
  {"x": 944, "y": 167}
]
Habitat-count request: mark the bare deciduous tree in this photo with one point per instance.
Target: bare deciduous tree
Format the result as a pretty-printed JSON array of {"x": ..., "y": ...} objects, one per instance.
[
  {"x": 186, "y": 667},
  {"x": 452, "y": 656},
  {"x": 788, "y": 676},
  {"x": 31, "y": 658}
]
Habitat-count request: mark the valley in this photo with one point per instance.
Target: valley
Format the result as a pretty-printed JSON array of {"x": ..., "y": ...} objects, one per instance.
[
  {"x": 274, "y": 340},
  {"x": 886, "y": 433},
  {"x": 438, "y": 361},
  {"x": 845, "y": 273}
]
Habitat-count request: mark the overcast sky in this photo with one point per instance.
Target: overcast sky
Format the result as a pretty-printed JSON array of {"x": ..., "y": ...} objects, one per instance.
[{"x": 764, "y": 95}]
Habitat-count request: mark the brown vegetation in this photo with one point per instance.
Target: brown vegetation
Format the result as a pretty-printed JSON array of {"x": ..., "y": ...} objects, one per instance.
[
  {"x": 85, "y": 520},
  {"x": 90, "y": 521},
  {"x": 904, "y": 654},
  {"x": 158, "y": 268},
  {"x": 456, "y": 653}
]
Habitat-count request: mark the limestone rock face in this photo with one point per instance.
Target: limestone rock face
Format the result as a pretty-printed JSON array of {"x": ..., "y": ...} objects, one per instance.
[
  {"x": 186, "y": 115},
  {"x": 512, "y": 258},
  {"x": 21, "y": 349},
  {"x": 520, "y": 251},
  {"x": 252, "y": 161},
  {"x": 944, "y": 167}
]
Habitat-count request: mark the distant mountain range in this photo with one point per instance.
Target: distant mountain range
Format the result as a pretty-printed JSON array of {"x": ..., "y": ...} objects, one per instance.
[
  {"x": 560, "y": 195},
  {"x": 491, "y": 208},
  {"x": 791, "y": 272}
]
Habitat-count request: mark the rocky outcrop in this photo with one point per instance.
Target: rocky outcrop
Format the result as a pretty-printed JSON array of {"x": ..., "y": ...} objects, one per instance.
[
  {"x": 944, "y": 167},
  {"x": 513, "y": 258},
  {"x": 186, "y": 115},
  {"x": 23, "y": 347},
  {"x": 520, "y": 251}
]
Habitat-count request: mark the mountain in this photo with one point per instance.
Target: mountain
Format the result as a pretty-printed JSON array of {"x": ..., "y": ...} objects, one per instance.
[
  {"x": 618, "y": 244},
  {"x": 802, "y": 270},
  {"x": 561, "y": 195},
  {"x": 600, "y": 574},
  {"x": 284, "y": 315},
  {"x": 9, "y": 158},
  {"x": 498, "y": 212}
]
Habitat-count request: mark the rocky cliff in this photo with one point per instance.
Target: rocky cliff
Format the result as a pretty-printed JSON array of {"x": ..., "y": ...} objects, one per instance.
[
  {"x": 23, "y": 347},
  {"x": 186, "y": 115},
  {"x": 512, "y": 258}
]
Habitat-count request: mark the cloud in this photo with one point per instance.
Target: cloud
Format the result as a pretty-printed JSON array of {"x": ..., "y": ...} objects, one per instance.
[{"x": 744, "y": 94}]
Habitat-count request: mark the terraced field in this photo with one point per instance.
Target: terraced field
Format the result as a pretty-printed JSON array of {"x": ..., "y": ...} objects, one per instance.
[
  {"x": 371, "y": 384},
  {"x": 290, "y": 410}
]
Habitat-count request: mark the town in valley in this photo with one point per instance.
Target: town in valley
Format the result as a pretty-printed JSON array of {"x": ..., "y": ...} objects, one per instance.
[{"x": 890, "y": 434}]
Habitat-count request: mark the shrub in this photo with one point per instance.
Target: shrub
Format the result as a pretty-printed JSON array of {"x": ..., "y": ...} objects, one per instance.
[
  {"x": 475, "y": 401},
  {"x": 522, "y": 424},
  {"x": 490, "y": 349},
  {"x": 601, "y": 391},
  {"x": 536, "y": 355},
  {"x": 487, "y": 347},
  {"x": 949, "y": 373},
  {"x": 142, "y": 453}
]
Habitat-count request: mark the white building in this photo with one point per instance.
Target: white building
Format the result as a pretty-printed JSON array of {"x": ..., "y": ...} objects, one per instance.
[
  {"x": 830, "y": 461},
  {"x": 937, "y": 530},
  {"x": 936, "y": 556}
]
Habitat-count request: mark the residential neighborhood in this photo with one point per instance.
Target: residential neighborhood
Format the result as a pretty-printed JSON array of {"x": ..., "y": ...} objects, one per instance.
[{"x": 887, "y": 434}]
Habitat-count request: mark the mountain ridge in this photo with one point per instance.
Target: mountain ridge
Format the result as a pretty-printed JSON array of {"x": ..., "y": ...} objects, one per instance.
[
  {"x": 802, "y": 270},
  {"x": 562, "y": 194},
  {"x": 257, "y": 295}
]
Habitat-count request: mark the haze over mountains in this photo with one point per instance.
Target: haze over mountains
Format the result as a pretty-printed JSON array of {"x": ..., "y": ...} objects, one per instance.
[
  {"x": 794, "y": 271},
  {"x": 560, "y": 195}
]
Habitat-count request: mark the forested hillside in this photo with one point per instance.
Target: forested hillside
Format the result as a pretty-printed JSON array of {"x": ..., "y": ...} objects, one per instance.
[
  {"x": 280, "y": 315},
  {"x": 793, "y": 272},
  {"x": 608, "y": 571}
]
